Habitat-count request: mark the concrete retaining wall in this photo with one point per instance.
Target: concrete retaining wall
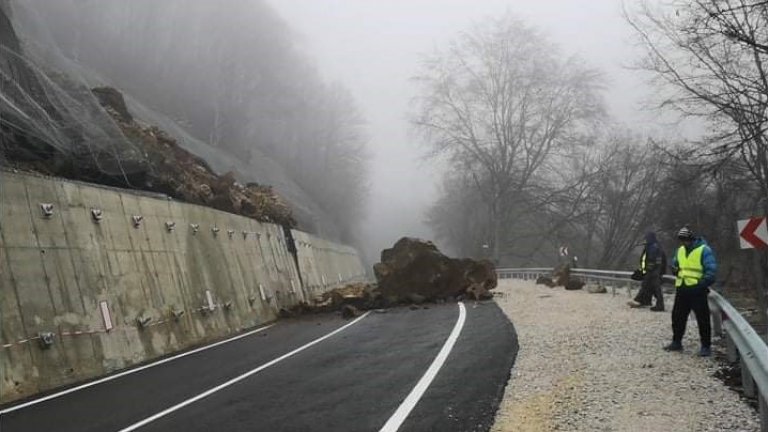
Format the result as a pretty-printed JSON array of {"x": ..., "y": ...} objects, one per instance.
[{"x": 61, "y": 273}]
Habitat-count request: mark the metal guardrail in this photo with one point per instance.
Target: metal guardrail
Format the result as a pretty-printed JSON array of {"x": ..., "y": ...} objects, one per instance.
[
  {"x": 743, "y": 343},
  {"x": 618, "y": 277}
]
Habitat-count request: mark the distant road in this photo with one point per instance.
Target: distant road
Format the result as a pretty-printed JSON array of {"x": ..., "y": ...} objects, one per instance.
[{"x": 435, "y": 369}]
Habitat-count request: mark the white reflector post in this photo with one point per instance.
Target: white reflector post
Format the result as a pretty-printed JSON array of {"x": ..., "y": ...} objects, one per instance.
[{"x": 105, "y": 314}]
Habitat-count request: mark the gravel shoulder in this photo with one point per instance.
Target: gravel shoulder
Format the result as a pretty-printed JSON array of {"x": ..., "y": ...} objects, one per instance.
[{"x": 587, "y": 362}]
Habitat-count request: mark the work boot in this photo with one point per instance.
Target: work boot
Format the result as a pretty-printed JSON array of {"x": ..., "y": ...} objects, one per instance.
[
  {"x": 658, "y": 308},
  {"x": 705, "y": 352},
  {"x": 635, "y": 304},
  {"x": 674, "y": 346}
]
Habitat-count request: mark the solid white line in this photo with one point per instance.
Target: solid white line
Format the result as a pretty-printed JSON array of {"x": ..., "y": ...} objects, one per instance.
[
  {"x": 405, "y": 408},
  {"x": 128, "y": 372},
  {"x": 235, "y": 380}
]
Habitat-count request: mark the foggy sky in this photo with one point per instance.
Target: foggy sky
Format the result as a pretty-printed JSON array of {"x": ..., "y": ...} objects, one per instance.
[{"x": 373, "y": 47}]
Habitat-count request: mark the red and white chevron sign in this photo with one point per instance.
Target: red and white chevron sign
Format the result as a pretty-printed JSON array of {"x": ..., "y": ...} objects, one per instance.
[{"x": 753, "y": 233}]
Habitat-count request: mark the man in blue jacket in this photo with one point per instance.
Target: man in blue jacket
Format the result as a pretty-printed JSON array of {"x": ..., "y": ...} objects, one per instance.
[
  {"x": 695, "y": 268},
  {"x": 653, "y": 263}
]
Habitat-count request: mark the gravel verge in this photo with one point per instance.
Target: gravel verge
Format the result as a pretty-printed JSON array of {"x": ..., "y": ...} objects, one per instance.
[{"x": 587, "y": 362}]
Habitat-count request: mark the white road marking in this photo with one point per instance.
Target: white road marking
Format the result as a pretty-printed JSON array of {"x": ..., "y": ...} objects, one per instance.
[
  {"x": 128, "y": 372},
  {"x": 405, "y": 408},
  {"x": 235, "y": 380}
]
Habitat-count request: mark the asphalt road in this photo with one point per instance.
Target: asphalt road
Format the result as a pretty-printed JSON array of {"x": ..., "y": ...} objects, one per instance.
[{"x": 353, "y": 380}]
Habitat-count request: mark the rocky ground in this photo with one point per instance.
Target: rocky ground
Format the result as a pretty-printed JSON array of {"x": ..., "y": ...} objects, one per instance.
[{"x": 589, "y": 363}]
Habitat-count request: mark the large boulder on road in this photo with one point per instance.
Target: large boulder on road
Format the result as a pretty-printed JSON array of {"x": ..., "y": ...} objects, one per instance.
[{"x": 416, "y": 267}]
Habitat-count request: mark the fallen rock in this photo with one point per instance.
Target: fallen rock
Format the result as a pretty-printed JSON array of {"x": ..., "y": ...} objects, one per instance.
[
  {"x": 109, "y": 97},
  {"x": 349, "y": 311},
  {"x": 596, "y": 289},
  {"x": 544, "y": 280},
  {"x": 362, "y": 296},
  {"x": 350, "y": 300},
  {"x": 574, "y": 284},
  {"x": 416, "y": 267}
]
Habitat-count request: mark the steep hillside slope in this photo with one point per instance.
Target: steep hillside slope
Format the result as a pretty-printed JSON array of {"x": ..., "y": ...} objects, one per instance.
[{"x": 48, "y": 113}]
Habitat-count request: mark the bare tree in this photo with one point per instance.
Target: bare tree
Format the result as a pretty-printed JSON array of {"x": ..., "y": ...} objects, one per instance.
[
  {"x": 709, "y": 57},
  {"x": 626, "y": 197},
  {"x": 459, "y": 218},
  {"x": 602, "y": 202},
  {"x": 498, "y": 102}
]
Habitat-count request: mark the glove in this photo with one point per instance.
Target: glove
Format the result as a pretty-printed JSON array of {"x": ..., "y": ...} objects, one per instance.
[
  {"x": 637, "y": 275},
  {"x": 703, "y": 287}
]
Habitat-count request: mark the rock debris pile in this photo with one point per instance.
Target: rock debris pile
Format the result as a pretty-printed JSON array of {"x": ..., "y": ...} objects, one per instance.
[
  {"x": 412, "y": 272},
  {"x": 155, "y": 162},
  {"x": 182, "y": 175},
  {"x": 415, "y": 269}
]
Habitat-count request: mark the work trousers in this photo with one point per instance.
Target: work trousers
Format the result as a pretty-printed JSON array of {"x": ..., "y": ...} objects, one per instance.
[
  {"x": 689, "y": 299},
  {"x": 650, "y": 288}
]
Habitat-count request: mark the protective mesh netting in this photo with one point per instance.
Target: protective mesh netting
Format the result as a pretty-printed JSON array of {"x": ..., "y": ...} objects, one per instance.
[
  {"x": 45, "y": 116},
  {"x": 49, "y": 118}
]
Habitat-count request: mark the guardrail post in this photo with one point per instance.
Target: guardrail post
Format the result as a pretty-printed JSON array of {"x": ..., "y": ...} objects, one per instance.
[
  {"x": 746, "y": 380},
  {"x": 717, "y": 321},
  {"x": 731, "y": 351},
  {"x": 763, "y": 413}
]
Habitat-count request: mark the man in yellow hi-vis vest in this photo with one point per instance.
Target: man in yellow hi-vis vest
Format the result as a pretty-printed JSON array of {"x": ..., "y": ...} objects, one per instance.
[{"x": 695, "y": 268}]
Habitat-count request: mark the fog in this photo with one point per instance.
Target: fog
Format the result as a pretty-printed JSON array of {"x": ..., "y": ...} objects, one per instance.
[
  {"x": 374, "y": 46},
  {"x": 227, "y": 83},
  {"x": 262, "y": 84}
]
